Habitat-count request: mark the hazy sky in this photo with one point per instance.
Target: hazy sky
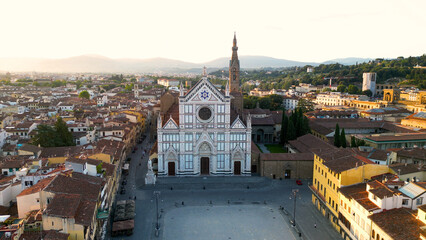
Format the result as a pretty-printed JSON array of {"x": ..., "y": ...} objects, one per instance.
[{"x": 202, "y": 30}]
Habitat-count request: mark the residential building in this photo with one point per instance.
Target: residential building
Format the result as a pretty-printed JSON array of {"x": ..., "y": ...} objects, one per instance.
[{"x": 334, "y": 169}]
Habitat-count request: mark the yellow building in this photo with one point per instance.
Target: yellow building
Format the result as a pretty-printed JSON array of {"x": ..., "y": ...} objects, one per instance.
[
  {"x": 417, "y": 120},
  {"x": 334, "y": 168}
]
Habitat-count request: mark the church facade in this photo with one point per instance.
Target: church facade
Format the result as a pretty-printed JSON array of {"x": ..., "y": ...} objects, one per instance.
[{"x": 203, "y": 133}]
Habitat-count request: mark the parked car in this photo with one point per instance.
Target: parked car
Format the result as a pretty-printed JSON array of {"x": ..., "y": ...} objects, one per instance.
[{"x": 298, "y": 182}]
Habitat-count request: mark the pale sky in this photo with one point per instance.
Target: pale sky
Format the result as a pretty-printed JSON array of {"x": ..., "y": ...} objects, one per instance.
[{"x": 202, "y": 30}]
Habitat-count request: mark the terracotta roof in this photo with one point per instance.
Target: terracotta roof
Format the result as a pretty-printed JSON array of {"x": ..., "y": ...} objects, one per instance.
[
  {"x": 73, "y": 185},
  {"x": 340, "y": 159},
  {"x": 110, "y": 147},
  {"x": 39, "y": 186},
  {"x": 380, "y": 190},
  {"x": 268, "y": 120},
  {"x": 60, "y": 151},
  {"x": 398, "y": 223},
  {"x": 172, "y": 112},
  {"x": 63, "y": 205},
  {"x": 286, "y": 157},
  {"x": 254, "y": 148},
  {"x": 405, "y": 168},
  {"x": 30, "y": 148},
  {"x": 71, "y": 206},
  {"x": 397, "y": 137},
  {"x": 308, "y": 142},
  {"x": 419, "y": 153},
  {"x": 56, "y": 235},
  {"x": 358, "y": 193}
]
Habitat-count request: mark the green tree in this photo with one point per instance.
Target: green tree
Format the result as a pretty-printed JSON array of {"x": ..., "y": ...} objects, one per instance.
[
  {"x": 291, "y": 131},
  {"x": 84, "y": 94},
  {"x": 64, "y": 136},
  {"x": 353, "y": 142},
  {"x": 46, "y": 136},
  {"x": 129, "y": 87},
  {"x": 99, "y": 168},
  {"x": 337, "y": 136},
  {"x": 341, "y": 88},
  {"x": 367, "y": 92},
  {"x": 352, "y": 89},
  {"x": 305, "y": 105},
  {"x": 343, "y": 138},
  {"x": 284, "y": 126}
]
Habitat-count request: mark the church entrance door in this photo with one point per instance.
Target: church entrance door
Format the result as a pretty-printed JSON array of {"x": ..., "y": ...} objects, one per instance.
[
  {"x": 237, "y": 168},
  {"x": 172, "y": 170},
  {"x": 205, "y": 166}
]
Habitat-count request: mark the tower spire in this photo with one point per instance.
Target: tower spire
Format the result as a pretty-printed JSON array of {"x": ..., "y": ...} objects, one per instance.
[
  {"x": 234, "y": 68},
  {"x": 204, "y": 71}
]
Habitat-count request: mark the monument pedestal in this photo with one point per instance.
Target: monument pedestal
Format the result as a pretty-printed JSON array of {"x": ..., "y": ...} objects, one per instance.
[{"x": 150, "y": 178}]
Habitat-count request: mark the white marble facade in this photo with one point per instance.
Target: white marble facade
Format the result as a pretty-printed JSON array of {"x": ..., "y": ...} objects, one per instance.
[{"x": 205, "y": 140}]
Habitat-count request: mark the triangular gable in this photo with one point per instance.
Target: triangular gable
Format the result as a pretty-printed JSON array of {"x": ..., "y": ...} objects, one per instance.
[
  {"x": 213, "y": 98},
  {"x": 204, "y": 82},
  {"x": 204, "y": 137},
  {"x": 196, "y": 98},
  {"x": 238, "y": 124},
  {"x": 170, "y": 124}
]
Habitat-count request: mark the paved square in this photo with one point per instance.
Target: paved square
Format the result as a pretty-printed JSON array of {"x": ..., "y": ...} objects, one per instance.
[{"x": 236, "y": 222}]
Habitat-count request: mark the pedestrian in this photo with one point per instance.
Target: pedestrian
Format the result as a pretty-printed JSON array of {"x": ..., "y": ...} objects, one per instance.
[
  {"x": 135, "y": 197},
  {"x": 315, "y": 225}
]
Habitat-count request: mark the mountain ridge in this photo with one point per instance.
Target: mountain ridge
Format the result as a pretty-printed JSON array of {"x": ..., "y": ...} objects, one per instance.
[{"x": 99, "y": 63}]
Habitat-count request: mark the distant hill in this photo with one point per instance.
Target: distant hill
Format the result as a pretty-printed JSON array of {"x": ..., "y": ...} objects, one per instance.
[
  {"x": 96, "y": 63},
  {"x": 348, "y": 61},
  {"x": 258, "y": 62}
]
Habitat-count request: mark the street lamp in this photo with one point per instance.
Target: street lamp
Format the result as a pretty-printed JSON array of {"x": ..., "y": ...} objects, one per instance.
[
  {"x": 294, "y": 194},
  {"x": 157, "y": 224}
]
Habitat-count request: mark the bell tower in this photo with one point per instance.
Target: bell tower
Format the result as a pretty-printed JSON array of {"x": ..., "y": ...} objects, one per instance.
[
  {"x": 234, "y": 80},
  {"x": 234, "y": 68}
]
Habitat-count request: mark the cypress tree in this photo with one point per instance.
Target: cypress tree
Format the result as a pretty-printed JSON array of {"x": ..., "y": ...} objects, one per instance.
[
  {"x": 353, "y": 142},
  {"x": 337, "y": 136},
  {"x": 284, "y": 126},
  {"x": 343, "y": 138},
  {"x": 291, "y": 131}
]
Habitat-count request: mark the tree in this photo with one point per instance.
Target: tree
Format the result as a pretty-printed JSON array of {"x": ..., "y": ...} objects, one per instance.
[
  {"x": 84, "y": 94},
  {"x": 284, "y": 126},
  {"x": 305, "y": 105},
  {"x": 353, "y": 142},
  {"x": 352, "y": 89},
  {"x": 57, "y": 136},
  {"x": 99, "y": 168},
  {"x": 343, "y": 138},
  {"x": 291, "y": 131},
  {"x": 341, "y": 88},
  {"x": 337, "y": 136},
  {"x": 367, "y": 92},
  {"x": 64, "y": 136},
  {"x": 45, "y": 137}
]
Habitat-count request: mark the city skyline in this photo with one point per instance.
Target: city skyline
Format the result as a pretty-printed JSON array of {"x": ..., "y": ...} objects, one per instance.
[{"x": 198, "y": 32}]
